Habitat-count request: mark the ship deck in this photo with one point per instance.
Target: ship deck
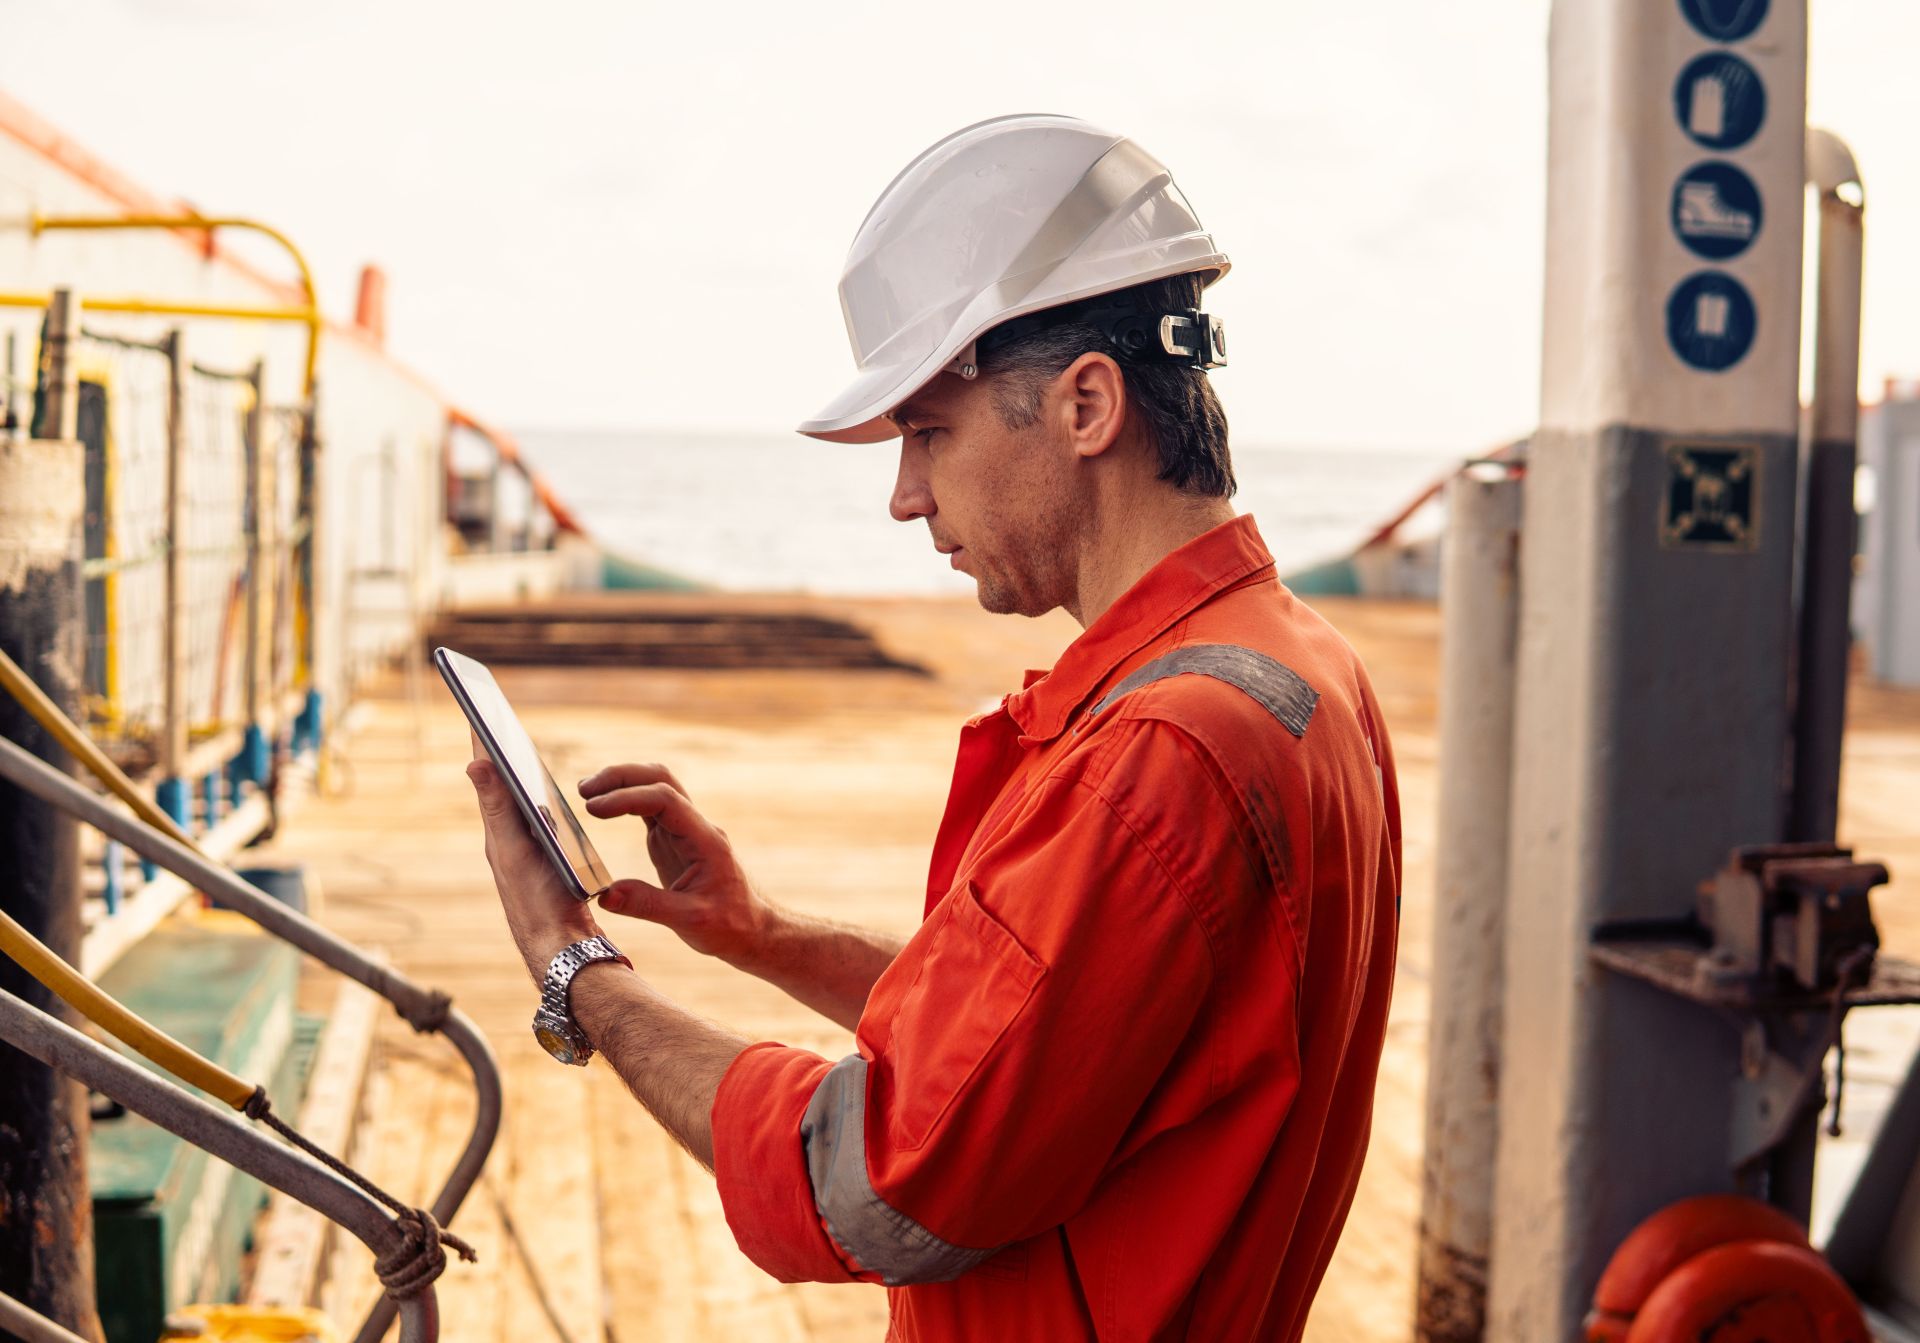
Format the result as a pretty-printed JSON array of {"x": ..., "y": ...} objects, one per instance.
[{"x": 831, "y": 784}]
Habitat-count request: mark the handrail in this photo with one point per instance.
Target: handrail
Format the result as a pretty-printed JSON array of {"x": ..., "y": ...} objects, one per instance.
[
  {"x": 424, "y": 1009},
  {"x": 210, "y": 1128},
  {"x": 310, "y": 314},
  {"x": 33, "y": 1326}
]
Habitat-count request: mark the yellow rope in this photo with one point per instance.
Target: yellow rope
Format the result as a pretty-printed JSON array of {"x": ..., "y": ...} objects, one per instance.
[
  {"x": 81, "y": 747},
  {"x": 38, "y": 960}
]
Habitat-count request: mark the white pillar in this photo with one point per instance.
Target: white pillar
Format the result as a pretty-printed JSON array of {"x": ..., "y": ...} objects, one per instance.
[
  {"x": 1480, "y": 601},
  {"x": 1656, "y": 617}
]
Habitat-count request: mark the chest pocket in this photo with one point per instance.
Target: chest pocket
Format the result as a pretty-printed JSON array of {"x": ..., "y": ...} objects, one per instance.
[{"x": 973, "y": 982}]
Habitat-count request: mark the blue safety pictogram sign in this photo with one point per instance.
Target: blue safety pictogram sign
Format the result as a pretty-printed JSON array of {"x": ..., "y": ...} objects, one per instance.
[
  {"x": 1711, "y": 497},
  {"x": 1710, "y": 320},
  {"x": 1724, "y": 20},
  {"x": 1719, "y": 100},
  {"x": 1716, "y": 210}
]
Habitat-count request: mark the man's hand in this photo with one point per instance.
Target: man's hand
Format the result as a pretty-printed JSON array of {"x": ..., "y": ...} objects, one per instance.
[
  {"x": 707, "y": 899},
  {"x": 672, "y": 1062},
  {"x": 543, "y": 914},
  {"x": 703, "y": 895}
]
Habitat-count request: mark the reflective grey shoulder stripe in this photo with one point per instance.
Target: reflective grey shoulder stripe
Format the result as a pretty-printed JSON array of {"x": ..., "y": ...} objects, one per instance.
[
  {"x": 881, "y": 1238},
  {"x": 1278, "y": 687}
]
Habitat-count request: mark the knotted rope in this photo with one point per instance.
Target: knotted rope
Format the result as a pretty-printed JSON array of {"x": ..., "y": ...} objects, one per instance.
[
  {"x": 428, "y": 1014},
  {"x": 419, "y": 1258}
]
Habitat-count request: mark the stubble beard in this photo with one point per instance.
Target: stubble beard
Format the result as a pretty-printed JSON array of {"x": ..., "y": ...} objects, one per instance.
[{"x": 1027, "y": 587}]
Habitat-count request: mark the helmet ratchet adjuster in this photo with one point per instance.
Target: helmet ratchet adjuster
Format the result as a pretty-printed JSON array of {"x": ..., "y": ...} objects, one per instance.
[{"x": 1184, "y": 336}]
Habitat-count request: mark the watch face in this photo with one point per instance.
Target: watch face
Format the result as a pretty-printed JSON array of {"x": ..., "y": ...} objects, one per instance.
[{"x": 555, "y": 1043}]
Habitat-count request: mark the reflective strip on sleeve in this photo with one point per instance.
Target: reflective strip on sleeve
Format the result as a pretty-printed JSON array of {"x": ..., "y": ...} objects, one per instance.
[
  {"x": 880, "y": 1238},
  {"x": 1278, "y": 688}
]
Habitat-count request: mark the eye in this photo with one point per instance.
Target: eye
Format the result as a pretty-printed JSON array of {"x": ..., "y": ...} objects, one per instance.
[{"x": 925, "y": 436}]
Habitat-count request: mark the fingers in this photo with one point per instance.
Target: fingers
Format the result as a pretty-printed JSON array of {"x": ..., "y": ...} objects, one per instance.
[
  {"x": 661, "y": 802},
  {"x": 635, "y": 898},
  {"x": 628, "y": 776},
  {"x": 494, "y": 801}
]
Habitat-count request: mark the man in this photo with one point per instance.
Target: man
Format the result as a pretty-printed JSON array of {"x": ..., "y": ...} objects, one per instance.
[{"x": 1118, "y": 1085}]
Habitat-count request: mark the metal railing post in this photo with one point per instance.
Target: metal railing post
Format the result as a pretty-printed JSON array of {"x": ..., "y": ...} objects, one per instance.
[
  {"x": 46, "y": 1222},
  {"x": 313, "y": 577},
  {"x": 62, "y": 390},
  {"x": 254, "y": 763},
  {"x": 172, "y": 791}
]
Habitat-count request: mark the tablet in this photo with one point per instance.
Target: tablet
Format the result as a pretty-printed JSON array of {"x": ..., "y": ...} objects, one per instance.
[{"x": 552, "y": 821}]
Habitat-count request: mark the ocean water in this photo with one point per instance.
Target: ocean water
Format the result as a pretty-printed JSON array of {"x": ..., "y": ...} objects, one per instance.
[{"x": 783, "y": 513}]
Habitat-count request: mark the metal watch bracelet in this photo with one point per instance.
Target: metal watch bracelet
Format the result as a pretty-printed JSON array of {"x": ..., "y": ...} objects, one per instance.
[{"x": 553, "y": 1021}]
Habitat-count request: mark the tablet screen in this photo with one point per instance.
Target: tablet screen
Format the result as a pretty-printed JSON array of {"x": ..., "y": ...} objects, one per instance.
[{"x": 526, "y": 774}]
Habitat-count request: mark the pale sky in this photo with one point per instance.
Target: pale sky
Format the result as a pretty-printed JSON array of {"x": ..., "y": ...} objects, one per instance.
[{"x": 634, "y": 214}]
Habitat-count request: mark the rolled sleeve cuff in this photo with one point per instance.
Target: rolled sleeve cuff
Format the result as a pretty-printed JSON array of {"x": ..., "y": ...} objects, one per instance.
[{"x": 760, "y": 1164}]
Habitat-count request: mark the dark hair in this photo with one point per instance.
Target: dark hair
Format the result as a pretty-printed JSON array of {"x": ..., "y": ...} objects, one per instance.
[{"x": 1176, "y": 403}]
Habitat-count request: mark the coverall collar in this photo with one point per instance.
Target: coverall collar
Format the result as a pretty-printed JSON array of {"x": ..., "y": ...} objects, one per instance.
[{"x": 1183, "y": 580}]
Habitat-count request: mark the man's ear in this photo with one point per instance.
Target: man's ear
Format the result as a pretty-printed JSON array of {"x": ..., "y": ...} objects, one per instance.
[{"x": 1094, "y": 403}]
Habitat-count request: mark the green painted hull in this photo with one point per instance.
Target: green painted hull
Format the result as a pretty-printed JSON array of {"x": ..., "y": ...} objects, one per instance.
[{"x": 171, "y": 1224}]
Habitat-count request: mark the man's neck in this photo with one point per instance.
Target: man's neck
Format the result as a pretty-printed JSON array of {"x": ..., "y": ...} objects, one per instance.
[{"x": 1133, "y": 539}]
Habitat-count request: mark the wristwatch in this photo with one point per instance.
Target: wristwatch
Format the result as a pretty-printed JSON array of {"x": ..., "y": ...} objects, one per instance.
[{"x": 553, "y": 1024}]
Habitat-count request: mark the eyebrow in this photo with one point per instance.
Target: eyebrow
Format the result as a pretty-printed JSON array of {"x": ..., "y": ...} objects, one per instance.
[{"x": 907, "y": 414}]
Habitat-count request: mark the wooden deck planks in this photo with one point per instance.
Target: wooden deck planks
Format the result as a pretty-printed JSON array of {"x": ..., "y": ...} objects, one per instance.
[
  {"x": 831, "y": 785},
  {"x": 292, "y": 1240}
]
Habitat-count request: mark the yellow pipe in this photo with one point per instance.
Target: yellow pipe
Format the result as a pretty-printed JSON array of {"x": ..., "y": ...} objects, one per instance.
[
  {"x": 311, "y": 315},
  {"x": 164, "y": 308},
  {"x": 63, "y": 730},
  {"x": 38, "y": 960}
]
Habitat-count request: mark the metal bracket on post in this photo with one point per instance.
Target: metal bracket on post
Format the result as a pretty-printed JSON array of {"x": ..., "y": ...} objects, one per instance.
[
  {"x": 1781, "y": 1081},
  {"x": 1782, "y": 945}
]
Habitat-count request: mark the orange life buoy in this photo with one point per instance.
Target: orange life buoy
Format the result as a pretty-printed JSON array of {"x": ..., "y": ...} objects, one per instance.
[
  {"x": 1751, "y": 1291},
  {"x": 1671, "y": 1237}
]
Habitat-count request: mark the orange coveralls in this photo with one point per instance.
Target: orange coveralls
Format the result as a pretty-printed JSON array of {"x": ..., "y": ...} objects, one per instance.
[{"x": 1119, "y": 1083}]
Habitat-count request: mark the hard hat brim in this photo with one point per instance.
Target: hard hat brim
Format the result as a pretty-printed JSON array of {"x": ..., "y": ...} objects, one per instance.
[{"x": 858, "y": 413}]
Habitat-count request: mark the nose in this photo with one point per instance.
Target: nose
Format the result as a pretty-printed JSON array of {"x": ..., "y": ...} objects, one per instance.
[{"x": 912, "y": 489}]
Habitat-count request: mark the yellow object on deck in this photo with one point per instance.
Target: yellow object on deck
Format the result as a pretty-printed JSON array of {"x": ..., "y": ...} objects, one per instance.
[{"x": 251, "y": 1324}]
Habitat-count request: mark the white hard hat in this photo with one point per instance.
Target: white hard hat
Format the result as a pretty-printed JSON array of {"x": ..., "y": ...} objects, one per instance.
[{"x": 1004, "y": 218}]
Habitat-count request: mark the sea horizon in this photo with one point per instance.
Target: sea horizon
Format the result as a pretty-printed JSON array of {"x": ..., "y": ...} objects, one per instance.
[{"x": 768, "y": 512}]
